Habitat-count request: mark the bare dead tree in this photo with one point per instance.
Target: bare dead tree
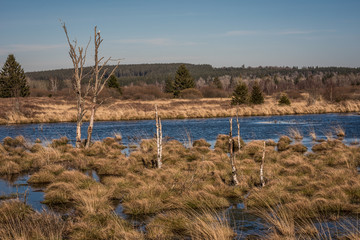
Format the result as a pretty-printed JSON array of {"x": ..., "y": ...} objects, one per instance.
[
  {"x": 99, "y": 80},
  {"x": 232, "y": 157},
  {"x": 238, "y": 129},
  {"x": 262, "y": 167},
  {"x": 53, "y": 84},
  {"x": 158, "y": 138},
  {"x": 78, "y": 57}
]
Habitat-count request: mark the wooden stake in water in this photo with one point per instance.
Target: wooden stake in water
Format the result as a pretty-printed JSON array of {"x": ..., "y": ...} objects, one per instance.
[
  {"x": 158, "y": 138},
  {"x": 232, "y": 158},
  {"x": 262, "y": 168}
]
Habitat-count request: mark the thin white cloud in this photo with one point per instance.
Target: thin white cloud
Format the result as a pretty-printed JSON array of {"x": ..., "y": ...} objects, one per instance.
[
  {"x": 151, "y": 41},
  {"x": 262, "y": 32},
  {"x": 295, "y": 32},
  {"x": 241, "y": 33},
  {"x": 156, "y": 41},
  {"x": 16, "y": 48}
]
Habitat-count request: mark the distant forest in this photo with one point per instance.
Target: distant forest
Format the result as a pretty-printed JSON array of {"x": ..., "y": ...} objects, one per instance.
[
  {"x": 158, "y": 73},
  {"x": 317, "y": 80}
]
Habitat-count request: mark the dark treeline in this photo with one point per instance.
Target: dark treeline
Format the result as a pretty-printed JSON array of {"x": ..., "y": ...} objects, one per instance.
[
  {"x": 148, "y": 81},
  {"x": 132, "y": 74},
  {"x": 158, "y": 73}
]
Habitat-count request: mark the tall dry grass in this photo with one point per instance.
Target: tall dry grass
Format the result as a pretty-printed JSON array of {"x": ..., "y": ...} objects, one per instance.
[
  {"x": 58, "y": 109},
  {"x": 320, "y": 184},
  {"x": 18, "y": 221},
  {"x": 201, "y": 224},
  {"x": 284, "y": 223}
]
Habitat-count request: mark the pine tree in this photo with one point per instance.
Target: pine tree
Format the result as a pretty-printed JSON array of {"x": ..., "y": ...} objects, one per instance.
[
  {"x": 256, "y": 94},
  {"x": 217, "y": 83},
  {"x": 113, "y": 83},
  {"x": 169, "y": 85},
  {"x": 284, "y": 100},
  {"x": 183, "y": 80},
  {"x": 12, "y": 80},
  {"x": 240, "y": 94}
]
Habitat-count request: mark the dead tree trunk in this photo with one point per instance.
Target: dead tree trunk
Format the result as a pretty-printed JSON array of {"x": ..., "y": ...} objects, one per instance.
[
  {"x": 262, "y": 168},
  {"x": 238, "y": 130},
  {"x": 158, "y": 138},
  {"x": 99, "y": 83},
  {"x": 78, "y": 57},
  {"x": 232, "y": 157}
]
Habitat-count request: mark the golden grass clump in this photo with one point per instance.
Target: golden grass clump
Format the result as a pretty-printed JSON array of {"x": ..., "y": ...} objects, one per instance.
[
  {"x": 202, "y": 224},
  {"x": 254, "y": 147},
  {"x": 94, "y": 200},
  {"x": 312, "y": 135},
  {"x": 59, "y": 193},
  {"x": 222, "y": 142},
  {"x": 103, "y": 226},
  {"x": 298, "y": 147},
  {"x": 201, "y": 143},
  {"x": 63, "y": 141},
  {"x": 270, "y": 142},
  {"x": 116, "y": 167},
  {"x": 47, "y": 174},
  {"x": 295, "y": 134},
  {"x": 283, "y": 143},
  {"x": 339, "y": 131},
  {"x": 62, "y": 189},
  {"x": 10, "y": 168},
  {"x": 19, "y": 221}
]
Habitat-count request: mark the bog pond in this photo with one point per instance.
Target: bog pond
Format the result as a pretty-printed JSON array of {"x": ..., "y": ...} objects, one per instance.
[
  {"x": 184, "y": 130},
  {"x": 252, "y": 128}
]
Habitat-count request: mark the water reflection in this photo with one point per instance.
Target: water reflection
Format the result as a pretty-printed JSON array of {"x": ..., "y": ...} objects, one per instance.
[{"x": 17, "y": 187}]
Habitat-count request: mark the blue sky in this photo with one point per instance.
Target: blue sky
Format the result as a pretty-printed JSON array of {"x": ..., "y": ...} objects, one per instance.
[{"x": 220, "y": 33}]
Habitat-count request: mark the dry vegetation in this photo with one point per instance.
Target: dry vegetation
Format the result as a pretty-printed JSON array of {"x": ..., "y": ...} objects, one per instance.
[
  {"x": 61, "y": 109},
  {"x": 185, "y": 198}
]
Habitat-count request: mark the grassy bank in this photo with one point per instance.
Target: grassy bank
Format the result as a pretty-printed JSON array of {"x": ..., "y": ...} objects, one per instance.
[
  {"x": 183, "y": 198},
  {"x": 57, "y": 109}
]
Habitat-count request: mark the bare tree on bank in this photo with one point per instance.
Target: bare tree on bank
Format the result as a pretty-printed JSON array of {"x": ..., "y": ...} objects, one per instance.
[
  {"x": 99, "y": 82},
  {"x": 238, "y": 130},
  {"x": 78, "y": 57}
]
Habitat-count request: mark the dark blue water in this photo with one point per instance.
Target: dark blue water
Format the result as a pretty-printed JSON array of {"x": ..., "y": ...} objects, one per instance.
[
  {"x": 20, "y": 189},
  {"x": 267, "y": 127}
]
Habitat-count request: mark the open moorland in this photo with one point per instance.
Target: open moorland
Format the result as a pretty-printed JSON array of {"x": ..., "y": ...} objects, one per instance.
[
  {"x": 303, "y": 191},
  {"x": 62, "y": 109}
]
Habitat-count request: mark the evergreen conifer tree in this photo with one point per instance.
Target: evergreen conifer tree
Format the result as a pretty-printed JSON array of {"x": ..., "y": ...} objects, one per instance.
[
  {"x": 169, "y": 85},
  {"x": 113, "y": 83},
  {"x": 217, "y": 83},
  {"x": 284, "y": 100},
  {"x": 256, "y": 94},
  {"x": 183, "y": 80},
  {"x": 12, "y": 79},
  {"x": 240, "y": 94}
]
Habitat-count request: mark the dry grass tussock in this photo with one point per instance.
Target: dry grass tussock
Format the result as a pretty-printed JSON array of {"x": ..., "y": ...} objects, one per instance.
[
  {"x": 295, "y": 134},
  {"x": 203, "y": 224},
  {"x": 285, "y": 223},
  {"x": 19, "y": 221},
  {"x": 320, "y": 184},
  {"x": 58, "y": 109}
]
